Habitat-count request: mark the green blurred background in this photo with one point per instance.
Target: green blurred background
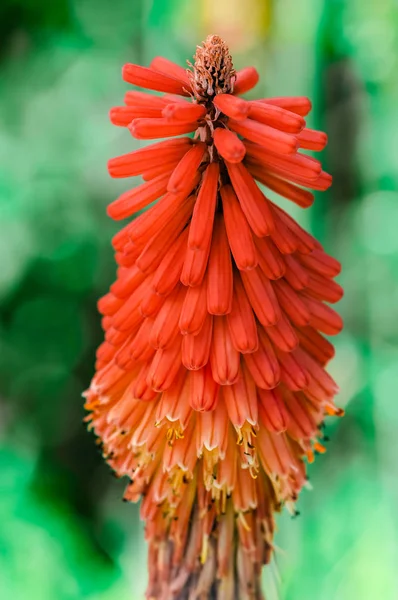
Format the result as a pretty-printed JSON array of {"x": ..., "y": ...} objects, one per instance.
[{"x": 64, "y": 532}]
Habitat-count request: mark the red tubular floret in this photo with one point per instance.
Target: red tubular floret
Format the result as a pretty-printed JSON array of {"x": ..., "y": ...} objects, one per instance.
[
  {"x": 170, "y": 68},
  {"x": 264, "y": 135},
  {"x": 183, "y": 112},
  {"x": 233, "y": 107},
  {"x": 150, "y": 129},
  {"x": 228, "y": 145},
  {"x": 297, "y": 104},
  {"x": 277, "y": 117},
  {"x": 246, "y": 79},
  {"x": 153, "y": 80}
]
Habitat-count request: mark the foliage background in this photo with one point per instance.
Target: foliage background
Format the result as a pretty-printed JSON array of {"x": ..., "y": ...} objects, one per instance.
[{"x": 65, "y": 534}]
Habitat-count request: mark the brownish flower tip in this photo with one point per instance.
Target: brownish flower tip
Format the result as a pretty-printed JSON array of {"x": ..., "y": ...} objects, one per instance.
[{"x": 213, "y": 72}]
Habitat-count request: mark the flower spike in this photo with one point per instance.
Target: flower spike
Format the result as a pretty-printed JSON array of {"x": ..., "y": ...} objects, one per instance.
[{"x": 210, "y": 389}]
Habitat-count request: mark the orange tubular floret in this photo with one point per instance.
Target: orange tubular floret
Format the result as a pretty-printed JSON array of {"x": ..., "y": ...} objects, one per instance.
[
  {"x": 219, "y": 276},
  {"x": 142, "y": 389},
  {"x": 315, "y": 344},
  {"x": 195, "y": 265},
  {"x": 293, "y": 374},
  {"x": 233, "y": 107},
  {"x": 167, "y": 167},
  {"x": 124, "y": 260},
  {"x": 323, "y": 317},
  {"x": 262, "y": 297},
  {"x": 170, "y": 406},
  {"x": 109, "y": 304},
  {"x": 302, "y": 198},
  {"x": 153, "y": 80},
  {"x": 241, "y": 321},
  {"x": 263, "y": 364},
  {"x": 282, "y": 335},
  {"x": 160, "y": 242},
  {"x": 123, "y": 115},
  {"x": 301, "y": 425},
  {"x": 256, "y": 168},
  {"x": 241, "y": 400},
  {"x": 114, "y": 337},
  {"x": 150, "y": 129},
  {"x": 224, "y": 358},
  {"x": 136, "y": 199},
  {"x": 277, "y": 117},
  {"x": 105, "y": 352},
  {"x": 321, "y": 184},
  {"x": 296, "y": 104},
  {"x": 127, "y": 282},
  {"x": 253, "y": 202},
  {"x": 321, "y": 288},
  {"x": 228, "y": 145},
  {"x": 310, "y": 139},
  {"x": 126, "y": 314},
  {"x": 273, "y": 413},
  {"x": 196, "y": 348},
  {"x": 294, "y": 306},
  {"x": 318, "y": 376},
  {"x": 297, "y": 164},
  {"x": 165, "y": 327},
  {"x": 264, "y": 135},
  {"x": 214, "y": 430},
  {"x": 269, "y": 258},
  {"x": 238, "y": 231},
  {"x": 295, "y": 274},
  {"x": 140, "y": 350},
  {"x": 203, "y": 214},
  {"x": 183, "y": 112},
  {"x": 152, "y": 221},
  {"x": 169, "y": 98},
  {"x": 246, "y": 79},
  {"x": 170, "y": 68},
  {"x": 164, "y": 367},
  {"x": 128, "y": 252},
  {"x": 306, "y": 242},
  {"x": 136, "y": 162},
  {"x": 151, "y": 304},
  {"x": 194, "y": 309},
  {"x": 203, "y": 390},
  {"x": 144, "y": 100},
  {"x": 187, "y": 168},
  {"x": 139, "y": 343},
  {"x": 321, "y": 263},
  {"x": 169, "y": 270}
]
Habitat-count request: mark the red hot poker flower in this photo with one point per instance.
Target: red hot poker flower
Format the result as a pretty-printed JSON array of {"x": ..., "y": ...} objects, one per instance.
[{"x": 211, "y": 387}]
